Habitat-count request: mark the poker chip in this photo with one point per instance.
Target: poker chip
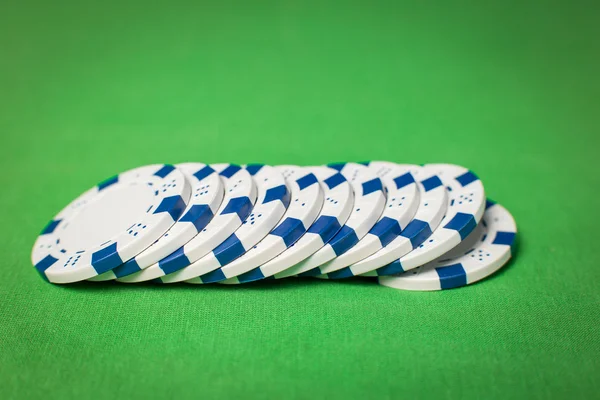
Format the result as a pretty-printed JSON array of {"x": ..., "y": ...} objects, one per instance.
[
  {"x": 419, "y": 228},
  {"x": 369, "y": 201},
  {"x": 110, "y": 223},
  {"x": 307, "y": 200},
  {"x": 465, "y": 209},
  {"x": 238, "y": 201},
  {"x": 402, "y": 203},
  {"x": 483, "y": 252},
  {"x": 337, "y": 205},
  {"x": 207, "y": 194},
  {"x": 433, "y": 203},
  {"x": 273, "y": 201}
]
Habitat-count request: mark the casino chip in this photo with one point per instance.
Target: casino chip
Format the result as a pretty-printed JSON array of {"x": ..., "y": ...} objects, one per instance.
[
  {"x": 307, "y": 200},
  {"x": 207, "y": 194},
  {"x": 337, "y": 205},
  {"x": 465, "y": 209},
  {"x": 273, "y": 201},
  {"x": 110, "y": 223},
  {"x": 482, "y": 253},
  {"x": 433, "y": 204},
  {"x": 240, "y": 196},
  {"x": 430, "y": 229},
  {"x": 369, "y": 201},
  {"x": 402, "y": 203}
]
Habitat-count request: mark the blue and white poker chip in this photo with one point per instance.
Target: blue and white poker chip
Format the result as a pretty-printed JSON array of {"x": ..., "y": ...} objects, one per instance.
[
  {"x": 273, "y": 201},
  {"x": 465, "y": 209},
  {"x": 110, "y": 223},
  {"x": 307, "y": 200},
  {"x": 482, "y": 253},
  {"x": 337, "y": 205},
  {"x": 433, "y": 203},
  {"x": 207, "y": 194},
  {"x": 402, "y": 203},
  {"x": 238, "y": 201},
  {"x": 369, "y": 201}
]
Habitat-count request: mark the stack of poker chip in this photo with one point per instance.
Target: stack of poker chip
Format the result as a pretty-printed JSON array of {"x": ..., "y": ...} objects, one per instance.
[{"x": 411, "y": 227}]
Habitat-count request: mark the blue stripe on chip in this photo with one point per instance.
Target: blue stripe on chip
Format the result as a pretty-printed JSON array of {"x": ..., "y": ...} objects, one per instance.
[
  {"x": 280, "y": 192},
  {"x": 386, "y": 230},
  {"x": 229, "y": 250},
  {"x": 466, "y": 178},
  {"x": 343, "y": 240},
  {"x": 240, "y": 206},
  {"x": 106, "y": 259},
  {"x": 504, "y": 238},
  {"x": 462, "y": 223},
  {"x": 431, "y": 183},
  {"x": 452, "y": 276},
  {"x": 404, "y": 180},
  {"x": 164, "y": 171},
  {"x": 128, "y": 268},
  {"x": 306, "y": 181},
  {"x": 215, "y": 276},
  {"x": 289, "y": 230},
  {"x": 326, "y": 227},
  {"x": 110, "y": 181},
  {"x": 372, "y": 186},
  {"x": 174, "y": 205},
  {"x": 44, "y": 264},
  {"x": 174, "y": 261},
  {"x": 334, "y": 180},
  {"x": 254, "y": 168},
  {"x": 204, "y": 172},
  {"x": 230, "y": 170},
  {"x": 199, "y": 215},
  {"x": 337, "y": 166},
  {"x": 417, "y": 232},
  {"x": 50, "y": 227}
]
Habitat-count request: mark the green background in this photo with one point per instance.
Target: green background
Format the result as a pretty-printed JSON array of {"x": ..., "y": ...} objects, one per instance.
[{"x": 507, "y": 89}]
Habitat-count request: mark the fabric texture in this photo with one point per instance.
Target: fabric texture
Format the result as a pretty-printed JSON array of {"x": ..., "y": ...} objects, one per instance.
[{"x": 507, "y": 89}]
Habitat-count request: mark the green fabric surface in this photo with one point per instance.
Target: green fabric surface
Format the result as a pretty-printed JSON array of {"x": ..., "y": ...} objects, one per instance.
[{"x": 510, "y": 90}]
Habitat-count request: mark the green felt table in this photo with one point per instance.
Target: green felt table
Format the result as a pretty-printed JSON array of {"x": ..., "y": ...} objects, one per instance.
[{"x": 510, "y": 90}]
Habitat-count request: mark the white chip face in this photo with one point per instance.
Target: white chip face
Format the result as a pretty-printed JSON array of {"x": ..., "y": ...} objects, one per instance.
[
  {"x": 481, "y": 254},
  {"x": 207, "y": 194},
  {"x": 273, "y": 200},
  {"x": 307, "y": 200},
  {"x": 433, "y": 203},
  {"x": 401, "y": 205},
  {"x": 111, "y": 223},
  {"x": 369, "y": 201},
  {"x": 337, "y": 205},
  {"x": 465, "y": 209},
  {"x": 241, "y": 193}
]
